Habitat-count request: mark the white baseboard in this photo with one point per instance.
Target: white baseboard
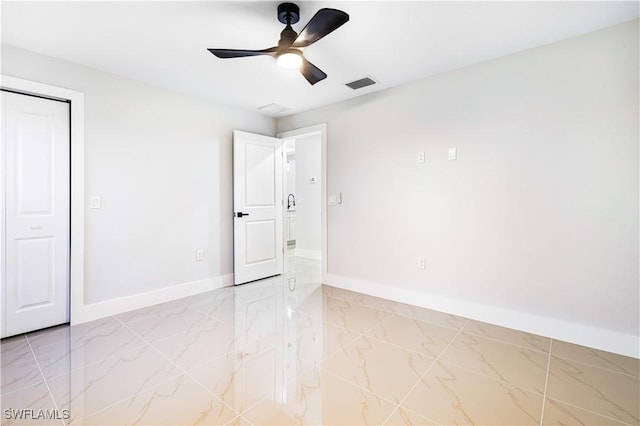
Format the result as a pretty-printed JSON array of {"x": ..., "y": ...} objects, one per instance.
[
  {"x": 607, "y": 340},
  {"x": 309, "y": 254},
  {"x": 94, "y": 311}
]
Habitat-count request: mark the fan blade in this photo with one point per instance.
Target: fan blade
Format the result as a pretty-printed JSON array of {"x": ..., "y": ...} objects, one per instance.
[
  {"x": 239, "y": 53},
  {"x": 323, "y": 22},
  {"x": 312, "y": 73}
]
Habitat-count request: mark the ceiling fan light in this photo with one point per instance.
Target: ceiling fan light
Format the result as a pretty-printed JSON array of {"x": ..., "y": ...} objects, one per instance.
[{"x": 290, "y": 59}]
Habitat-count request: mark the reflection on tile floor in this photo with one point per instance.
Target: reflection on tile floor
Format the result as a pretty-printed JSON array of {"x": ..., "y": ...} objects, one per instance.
[{"x": 289, "y": 350}]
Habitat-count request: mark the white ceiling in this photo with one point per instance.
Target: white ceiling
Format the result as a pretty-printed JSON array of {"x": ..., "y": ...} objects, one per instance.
[{"x": 164, "y": 43}]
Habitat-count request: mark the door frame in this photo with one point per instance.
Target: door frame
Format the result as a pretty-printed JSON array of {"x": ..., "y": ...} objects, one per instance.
[
  {"x": 77, "y": 309},
  {"x": 322, "y": 130}
]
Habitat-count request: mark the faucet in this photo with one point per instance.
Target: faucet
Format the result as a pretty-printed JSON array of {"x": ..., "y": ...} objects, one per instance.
[{"x": 291, "y": 201}]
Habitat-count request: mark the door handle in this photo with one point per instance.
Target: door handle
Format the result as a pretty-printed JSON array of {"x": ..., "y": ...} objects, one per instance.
[
  {"x": 35, "y": 227},
  {"x": 240, "y": 214}
]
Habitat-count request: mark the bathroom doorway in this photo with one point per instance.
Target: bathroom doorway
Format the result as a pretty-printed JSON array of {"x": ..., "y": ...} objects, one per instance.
[{"x": 304, "y": 192}]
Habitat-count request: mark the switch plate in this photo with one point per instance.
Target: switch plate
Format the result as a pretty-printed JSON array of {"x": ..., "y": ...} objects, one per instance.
[
  {"x": 422, "y": 263},
  {"x": 420, "y": 156},
  {"x": 199, "y": 255},
  {"x": 95, "y": 202},
  {"x": 453, "y": 153}
]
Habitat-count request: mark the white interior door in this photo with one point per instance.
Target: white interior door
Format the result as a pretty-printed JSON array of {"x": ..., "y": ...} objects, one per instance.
[
  {"x": 36, "y": 154},
  {"x": 257, "y": 204}
]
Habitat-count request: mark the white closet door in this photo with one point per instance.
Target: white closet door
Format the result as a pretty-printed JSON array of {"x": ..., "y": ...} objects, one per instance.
[{"x": 36, "y": 151}]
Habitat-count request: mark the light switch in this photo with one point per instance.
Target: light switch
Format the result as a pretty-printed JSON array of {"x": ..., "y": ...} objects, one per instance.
[
  {"x": 453, "y": 153},
  {"x": 95, "y": 203},
  {"x": 420, "y": 156}
]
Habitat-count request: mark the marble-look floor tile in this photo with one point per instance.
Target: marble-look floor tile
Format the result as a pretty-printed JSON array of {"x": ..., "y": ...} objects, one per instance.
[
  {"x": 415, "y": 335},
  {"x": 241, "y": 380},
  {"x": 340, "y": 293},
  {"x": 404, "y": 417},
  {"x": 198, "y": 345},
  {"x": 66, "y": 333},
  {"x": 23, "y": 407},
  {"x": 239, "y": 421},
  {"x": 512, "y": 364},
  {"x": 87, "y": 390},
  {"x": 317, "y": 342},
  {"x": 613, "y": 395},
  {"x": 14, "y": 345},
  {"x": 431, "y": 316},
  {"x": 453, "y": 395},
  {"x": 160, "y": 312},
  {"x": 352, "y": 316},
  {"x": 178, "y": 401},
  {"x": 18, "y": 370},
  {"x": 319, "y": 398},
  {"x": 308, "y": 303},
  {"x": 309, "y": 354},
  {"x": 386, "y": 370},
  {"x": 65, "y": 355},
  {"x": 595, "y": 357},
  {"x": 514, "y": 337},
  {"x": 363, "y": 299},
  {"x": 219, "y": 304},
  {"x": 559, "y": 414},
  {"x": 173, "y": 323}
]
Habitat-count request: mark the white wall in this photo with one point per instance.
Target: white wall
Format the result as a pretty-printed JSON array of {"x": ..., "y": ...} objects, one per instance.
[
  {"x": 535, "y": 226},
  {"x": 161, "y": 161},
  {"x": 308, "y": 196}
]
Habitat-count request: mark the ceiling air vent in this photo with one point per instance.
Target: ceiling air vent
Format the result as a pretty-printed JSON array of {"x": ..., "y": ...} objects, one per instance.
[
  {"x": 363, "y": 82},
  {"x": 273, "y": 108}
]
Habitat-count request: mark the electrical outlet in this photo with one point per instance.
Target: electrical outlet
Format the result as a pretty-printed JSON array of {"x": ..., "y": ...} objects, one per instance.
[
  {"x": 422, "y": 263},
  {"x": 95, "y": 202},
  {"x": 199, "y": 255},
  {"x": 420, "y": 156},
  {"x": 453, "y": 154}
]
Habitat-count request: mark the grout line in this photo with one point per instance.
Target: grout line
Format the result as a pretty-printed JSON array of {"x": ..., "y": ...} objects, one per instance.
[
  {"x": 358, "y": 334},
  {"x": 622, "y": 422},
  {"x": 395, "y": 410},
  {"x": 493, "y": 339},
  {"x": 546, "y": 382},
  {"x": 44, "y": 379},
  {"x": 149, "y": 344},
  {"x": 146, "y": 344},
  {"x": 184, "y": 372},
  {"x": 599, "y": 367},
  {"x": 427, "y": 371},
  {"x": 494, "y": 379},
  {"x": 342, "y": 379}
]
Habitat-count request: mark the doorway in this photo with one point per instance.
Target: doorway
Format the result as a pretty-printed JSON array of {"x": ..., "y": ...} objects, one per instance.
[{"x": 304, "y": 189}]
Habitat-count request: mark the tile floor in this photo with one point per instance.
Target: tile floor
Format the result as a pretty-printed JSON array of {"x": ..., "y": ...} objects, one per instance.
[{"x": 291, "y": 351}]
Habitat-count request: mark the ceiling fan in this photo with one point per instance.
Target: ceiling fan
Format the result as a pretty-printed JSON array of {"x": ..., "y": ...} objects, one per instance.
[{"x": 288, "y": 52}]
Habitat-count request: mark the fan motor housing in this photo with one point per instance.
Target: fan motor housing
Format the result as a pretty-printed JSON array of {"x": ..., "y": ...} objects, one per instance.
[{"x": 288, "y": 13}]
